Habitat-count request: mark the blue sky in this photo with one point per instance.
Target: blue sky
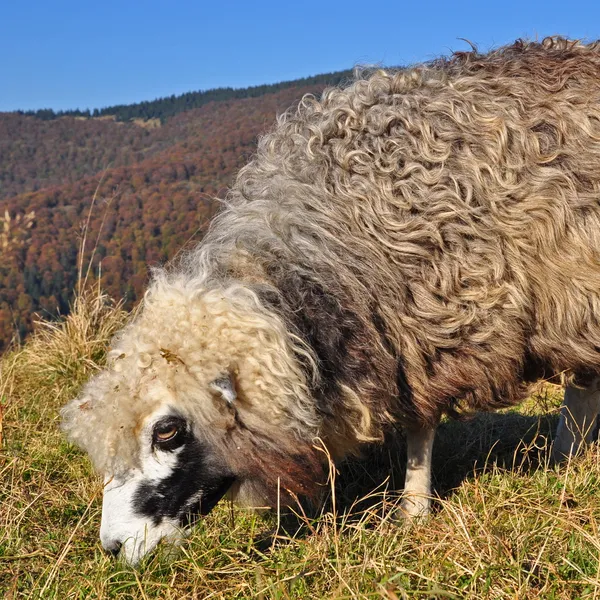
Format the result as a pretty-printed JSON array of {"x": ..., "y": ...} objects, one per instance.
[{"x": 63, "y": 54}]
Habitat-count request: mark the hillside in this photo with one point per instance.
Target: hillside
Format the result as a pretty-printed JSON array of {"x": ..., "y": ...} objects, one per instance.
[
  {"x": 506, "y": 525},
  {"x": 155, "y": 187}
]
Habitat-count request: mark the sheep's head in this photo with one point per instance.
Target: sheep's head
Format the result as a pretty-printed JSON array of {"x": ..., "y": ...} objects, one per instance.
[
  {"x": 202, "y": 395},
  {"x": 179, "y": 474}
]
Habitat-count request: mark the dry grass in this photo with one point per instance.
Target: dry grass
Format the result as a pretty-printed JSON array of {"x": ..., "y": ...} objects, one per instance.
[
  {"x": 506, "y": 526},
  {"x": 68, "y": 351}
]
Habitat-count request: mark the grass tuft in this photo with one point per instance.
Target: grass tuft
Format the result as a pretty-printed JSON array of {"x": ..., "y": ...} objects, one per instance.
[{"x": 67, "y": 351}]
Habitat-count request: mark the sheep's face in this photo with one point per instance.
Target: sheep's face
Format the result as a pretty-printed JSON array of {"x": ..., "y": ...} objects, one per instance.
[
  {"x": 178, "y": 477},
  {"x": 202, "y": 392}
]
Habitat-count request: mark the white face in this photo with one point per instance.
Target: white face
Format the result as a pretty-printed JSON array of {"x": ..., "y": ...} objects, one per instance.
[
  {"x": 178, "y": 478},
  {"x": 122, "y": 529}
]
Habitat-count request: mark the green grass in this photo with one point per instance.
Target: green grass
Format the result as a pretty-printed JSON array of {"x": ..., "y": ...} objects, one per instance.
[{"x": 506, "y": 525}]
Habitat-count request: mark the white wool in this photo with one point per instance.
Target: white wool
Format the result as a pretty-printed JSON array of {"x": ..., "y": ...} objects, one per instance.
[{"x": 185, "y": 338}]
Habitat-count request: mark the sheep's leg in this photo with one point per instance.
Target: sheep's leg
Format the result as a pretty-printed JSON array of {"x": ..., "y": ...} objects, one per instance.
[
  {"x": 577, "y": 424},
  {"x": 417, "y": 487}
]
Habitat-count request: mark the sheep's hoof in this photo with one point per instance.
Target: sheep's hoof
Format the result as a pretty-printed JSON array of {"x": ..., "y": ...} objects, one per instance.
[{"x": 414, "y": 508}]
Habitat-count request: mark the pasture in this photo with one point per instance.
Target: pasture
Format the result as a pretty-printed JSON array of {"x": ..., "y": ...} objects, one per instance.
[{"x": 506, "y": 524}]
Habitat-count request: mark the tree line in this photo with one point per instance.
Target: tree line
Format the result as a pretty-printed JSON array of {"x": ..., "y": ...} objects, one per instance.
[{"x": 165, "y": 108}]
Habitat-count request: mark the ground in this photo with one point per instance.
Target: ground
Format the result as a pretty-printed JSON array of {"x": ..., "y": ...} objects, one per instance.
[{"x": 506, "y": 524}]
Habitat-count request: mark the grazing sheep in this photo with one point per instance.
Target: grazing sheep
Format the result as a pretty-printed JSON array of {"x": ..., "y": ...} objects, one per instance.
[{"x": 423, "y": 242}]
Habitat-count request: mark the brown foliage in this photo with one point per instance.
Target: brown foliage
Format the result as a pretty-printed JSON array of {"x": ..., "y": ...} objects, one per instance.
[{"x": 155, "y": 190}]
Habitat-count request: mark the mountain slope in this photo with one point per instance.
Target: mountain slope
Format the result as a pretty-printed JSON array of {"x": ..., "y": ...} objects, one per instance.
[{"x": 155, "y": 191}]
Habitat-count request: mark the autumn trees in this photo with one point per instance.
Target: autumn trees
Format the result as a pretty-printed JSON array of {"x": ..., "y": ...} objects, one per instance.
[{"x": 154, "y": 193}]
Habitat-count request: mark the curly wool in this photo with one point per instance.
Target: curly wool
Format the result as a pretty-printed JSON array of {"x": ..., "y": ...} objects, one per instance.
[
  {"x": 458, "y": 200},
  {"x": 421, "y": 242}
]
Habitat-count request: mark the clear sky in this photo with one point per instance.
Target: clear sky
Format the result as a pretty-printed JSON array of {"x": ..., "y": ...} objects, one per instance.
[{"x": 65, "y": 54}]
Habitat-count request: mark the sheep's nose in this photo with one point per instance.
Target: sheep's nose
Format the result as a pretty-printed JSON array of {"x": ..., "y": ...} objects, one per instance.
[{"x": 113, "y": 547}]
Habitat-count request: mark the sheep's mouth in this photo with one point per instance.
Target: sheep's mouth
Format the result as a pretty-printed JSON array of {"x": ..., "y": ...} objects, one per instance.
[{"x": 204, "y": 505}]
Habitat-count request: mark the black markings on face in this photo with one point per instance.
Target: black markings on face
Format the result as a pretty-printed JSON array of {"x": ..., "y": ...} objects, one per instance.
[{"x": 197, "y": 482}]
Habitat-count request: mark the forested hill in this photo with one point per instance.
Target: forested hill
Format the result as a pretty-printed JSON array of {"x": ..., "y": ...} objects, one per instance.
[{"x": 154, "y": 181}]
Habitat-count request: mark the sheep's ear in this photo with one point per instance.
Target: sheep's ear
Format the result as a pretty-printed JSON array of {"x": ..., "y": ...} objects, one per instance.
[{"x": 224, "y": 386}]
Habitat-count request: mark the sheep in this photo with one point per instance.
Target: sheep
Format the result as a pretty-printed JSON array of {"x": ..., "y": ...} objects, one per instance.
[{"x": 424, "y": 242}]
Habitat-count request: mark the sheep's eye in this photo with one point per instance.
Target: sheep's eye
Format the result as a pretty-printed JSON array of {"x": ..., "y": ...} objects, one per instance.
[
  {"x": 163, "y": 436},
  {"x": 167, "y": 431}
]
